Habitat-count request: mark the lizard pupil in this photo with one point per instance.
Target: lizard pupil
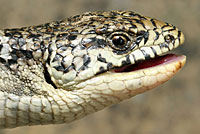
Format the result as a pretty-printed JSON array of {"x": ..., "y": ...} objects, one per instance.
[{"x": 119, "y": 42}]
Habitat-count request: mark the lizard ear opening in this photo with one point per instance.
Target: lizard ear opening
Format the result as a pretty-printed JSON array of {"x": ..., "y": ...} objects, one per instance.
[{"x": 48, "y": 78}]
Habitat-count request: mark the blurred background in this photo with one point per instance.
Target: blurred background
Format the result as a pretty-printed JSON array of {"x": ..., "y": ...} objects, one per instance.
[{"x": 172, "y": 108}]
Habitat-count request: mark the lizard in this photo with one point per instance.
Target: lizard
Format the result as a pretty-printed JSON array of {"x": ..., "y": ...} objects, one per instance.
[{"x": 62, "y": 71}]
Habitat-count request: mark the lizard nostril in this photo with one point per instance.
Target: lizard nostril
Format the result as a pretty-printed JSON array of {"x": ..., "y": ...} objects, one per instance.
[{"x": 169, "y": 39}]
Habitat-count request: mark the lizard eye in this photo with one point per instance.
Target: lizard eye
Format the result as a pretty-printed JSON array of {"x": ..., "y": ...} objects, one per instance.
[{"x": 119, "y": 41}]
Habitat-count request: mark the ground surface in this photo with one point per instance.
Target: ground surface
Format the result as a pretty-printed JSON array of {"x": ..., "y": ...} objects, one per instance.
[{"x": 170, "y": 109}]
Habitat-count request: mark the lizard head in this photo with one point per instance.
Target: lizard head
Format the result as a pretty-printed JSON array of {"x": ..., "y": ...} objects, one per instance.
[
  {"x": 61, "y": 71},
  {"x": 106, "y": 45}
]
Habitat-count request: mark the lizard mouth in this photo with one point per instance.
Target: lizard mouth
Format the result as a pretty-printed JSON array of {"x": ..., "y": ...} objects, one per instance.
[{"x": 160, "y": 60}]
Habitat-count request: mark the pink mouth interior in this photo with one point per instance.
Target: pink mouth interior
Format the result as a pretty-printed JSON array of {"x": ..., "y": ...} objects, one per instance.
[{"x": 149, "y": 63}]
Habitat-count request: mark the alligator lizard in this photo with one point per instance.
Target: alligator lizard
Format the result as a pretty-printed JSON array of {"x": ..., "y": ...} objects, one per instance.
[{"x": 62, "y": 71}]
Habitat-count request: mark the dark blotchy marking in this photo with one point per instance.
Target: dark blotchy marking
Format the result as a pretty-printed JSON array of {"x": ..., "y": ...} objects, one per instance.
[
  {"x": 86, "y": 60},
  {"x": 16, "y": 55},
  {"x": 174, "y": 28},
  {"x": 72, "y": 37},
  {"x": 146, "y": 55},
  {"x": 91, "y": 31},
  {"x": 101, "y": 59},
  {"x": 157, "y": 35},
  {"x": 101, "y": 30},
  {"x": 13, "y": 33},
  {"x": 179, "y": 35},
  {"x": 66, "y": 70},
  {"x": 113, "y": 17},
  {"x": 133, "y": 26},
  {"x": 98, "y": 43},
  {"x": 48, "y": 59},
  {"x": 62, "y": 36},
  {"x": 8, "y": 34},
  {"x": 138, "y": 40},
  {"x": 114, "y": 13},
  {"x": 153, "y": 22},
  {"x": 125, "y": 18},
  {"x": 72, "y": 46},
  {"x": 57, "y": 57},
  {"x": 100, "y": 15},
  {"x": 154, "y": 51},
  {"x": 27, "y": 54},
  {"x": 124, "y": 63},
  {"x": 128, "y": 61},
  {"x": 12, "y": 61},
  {"x": 141, "y": 33},
  {"x": 164, "y": 45},
  {"x": 42, "y": 46},
  {"x": 1, "y": 46},
  {"x": 140, "y": 22},
  {"x": 50, "y": 50},
  {"x": 46, "y": 25},
  {"x": 59, "y": 68},
  {"x": 109, "y": 66},
  {"x": 72, "y": 19},
  {"x": 146, "y": 37},
  {"x": 2, "y": 60},
  {"x": 101, "y": 43},
  {"x": 132, "y": 14},
  {"x": 74, "y": 31},
  {"x": 92, "y": 24},
  {"x": 82, "y": 68},
  {"x": 134, "y": 58},
  {"x": 101, "y": 70},
  {"x": 165, "y": 26},
  {"x": 63, "y": 48},
  {"x": 76, "y": 16},
  {"x": 137, "y": 21},
  {"x": 16, "y": 52},
  {"x": 91, "y": 21},
  {"x": 139, "y": 61},
  {"x": 142, "y": 17},
  {"x": 72, "y": 66}
]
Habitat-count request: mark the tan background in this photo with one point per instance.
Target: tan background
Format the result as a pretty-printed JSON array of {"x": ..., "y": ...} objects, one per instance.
[{"x": 172, "y": 108}]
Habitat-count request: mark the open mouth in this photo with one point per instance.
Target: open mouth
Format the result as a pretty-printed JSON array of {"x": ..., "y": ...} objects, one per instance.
[{"x": 160, "y": 60}]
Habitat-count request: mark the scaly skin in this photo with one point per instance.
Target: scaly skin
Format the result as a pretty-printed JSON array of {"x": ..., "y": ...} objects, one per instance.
[{"x": 62, "y": 71}]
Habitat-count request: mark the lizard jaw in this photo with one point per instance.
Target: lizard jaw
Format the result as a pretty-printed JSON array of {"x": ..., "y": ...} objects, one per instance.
[
  {"x": 148, "y": 63},
  {"x": 124, "y": 85}
]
